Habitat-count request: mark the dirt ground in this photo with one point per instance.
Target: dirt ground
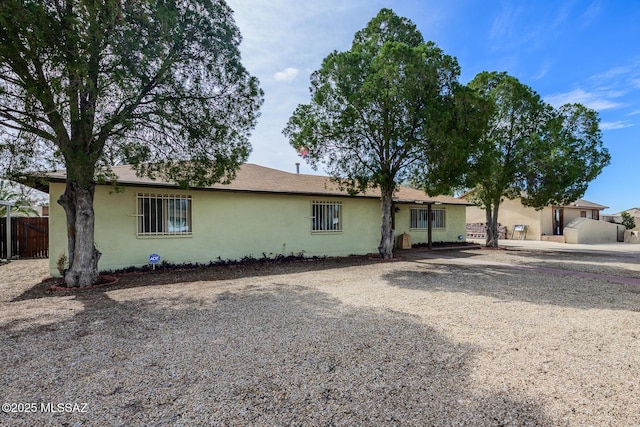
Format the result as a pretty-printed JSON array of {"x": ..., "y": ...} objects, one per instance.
[
  {"x": 466, "y": 337},
  {"x": 18, "y": 274}
]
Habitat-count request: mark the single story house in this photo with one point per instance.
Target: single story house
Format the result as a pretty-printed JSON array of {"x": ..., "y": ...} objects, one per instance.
[
  {"x": 547, "y": 223},
  {"x": 617, "y": 218},
  {"x": 262, "y": 212}
]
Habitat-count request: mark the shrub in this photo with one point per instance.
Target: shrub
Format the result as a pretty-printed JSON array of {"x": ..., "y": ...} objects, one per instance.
[
  {"x": 628, "y": 221},
  {"x": 61, "y": 265}
]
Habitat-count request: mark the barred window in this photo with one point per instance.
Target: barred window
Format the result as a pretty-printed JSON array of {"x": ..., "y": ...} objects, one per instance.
[
  {"x": 420, "y": 221},
  {"x": 326, "y": 217},
  {"x": 164, "y": 214}
]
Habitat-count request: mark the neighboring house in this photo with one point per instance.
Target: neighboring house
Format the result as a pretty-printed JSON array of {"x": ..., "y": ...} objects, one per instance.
[
  {"x": 263, "y": 212},
  {"x": 617, "y": 218},
  {"x": 547, "y": 223}
]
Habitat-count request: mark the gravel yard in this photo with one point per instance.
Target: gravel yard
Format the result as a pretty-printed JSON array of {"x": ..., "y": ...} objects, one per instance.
[{"x": 432, "y": 339}]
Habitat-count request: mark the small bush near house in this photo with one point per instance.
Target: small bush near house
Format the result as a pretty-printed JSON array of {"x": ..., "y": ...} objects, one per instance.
[
  {"x": 442, "y": 244},
  {"x": 246, "y": 260},
  {"x": 628, "y": 221},
  {"x": 61, "y": 265}
]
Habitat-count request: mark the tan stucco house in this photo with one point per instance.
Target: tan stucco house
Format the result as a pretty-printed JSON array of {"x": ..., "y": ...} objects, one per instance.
[
  {"x": 617, "y": 218},
  {"x": 262, "y": 211},
  {"x": 547, "y": 223}
]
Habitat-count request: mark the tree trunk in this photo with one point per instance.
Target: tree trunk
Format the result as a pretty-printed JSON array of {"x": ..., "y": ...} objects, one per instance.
[
  {"x": 67, "y": 201},
  {"x": 386, "y": 228},
  {"x": 83, "y": 255},
  {"x": 492, "y": 225}
]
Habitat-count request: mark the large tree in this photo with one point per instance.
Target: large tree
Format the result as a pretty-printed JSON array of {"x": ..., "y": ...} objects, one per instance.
[
  {"x": 388, "y": 110},
  {"x": 543, "y": 155},
  {"x": 157, "y": 84}
]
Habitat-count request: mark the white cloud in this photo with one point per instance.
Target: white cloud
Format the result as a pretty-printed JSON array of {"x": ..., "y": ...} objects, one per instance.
[
  {"x": 614, "y": 125},
  {"x": 544, "y": 69},
  {"x": 503, "y": 24},
  {"x": 614, "y": 73},
  {"x": 590, "y": 15},
  {"x": 626, "y": 77},
  {"x": 286, "y": 75},
  {"x": 594, "y": 100}
]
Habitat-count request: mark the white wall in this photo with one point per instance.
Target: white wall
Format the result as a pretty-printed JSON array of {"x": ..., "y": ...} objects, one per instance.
[{"x": 584, "y": 230}]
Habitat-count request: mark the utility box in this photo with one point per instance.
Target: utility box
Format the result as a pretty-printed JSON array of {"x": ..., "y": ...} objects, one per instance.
[{"x": 404, "y": 241}]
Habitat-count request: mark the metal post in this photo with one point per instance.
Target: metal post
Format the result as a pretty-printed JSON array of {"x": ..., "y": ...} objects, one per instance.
[
  {"x": 429, "y": 226},
  {"x": 8, "y": 205},
  {"x": 8, "y": 231}
]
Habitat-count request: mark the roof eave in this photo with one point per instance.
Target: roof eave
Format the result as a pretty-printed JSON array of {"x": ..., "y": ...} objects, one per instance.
[{"x": 125, "y": 183}]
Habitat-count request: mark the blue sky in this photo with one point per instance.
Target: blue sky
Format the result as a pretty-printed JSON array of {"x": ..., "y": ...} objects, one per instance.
[{"x": 567, "y": 51}]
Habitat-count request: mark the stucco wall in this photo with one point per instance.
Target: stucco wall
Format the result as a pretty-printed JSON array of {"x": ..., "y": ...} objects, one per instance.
[
  {"x": 546, "y": 221},
  {"x": 572, "y": 214},
  {"x": 225, "y": 224},
  {"x": 539, "y": 222},
  {"x": 455, "y": 224},
  {"x": 569, "y": 214},
  {"x": 476, "y": 215},
  {"x": 231, "y": 225},
  {"x": 618, "y": 219},
  {"x": 584, "y": 230},
  {"x": 632, "y": 236},
  {"x": 511, "y": 213}
]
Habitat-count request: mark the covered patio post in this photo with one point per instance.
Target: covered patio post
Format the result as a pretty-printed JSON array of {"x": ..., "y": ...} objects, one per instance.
[{"x": 8, "y": 205}]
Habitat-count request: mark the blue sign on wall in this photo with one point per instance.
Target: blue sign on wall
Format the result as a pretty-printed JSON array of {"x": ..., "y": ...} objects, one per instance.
[{"x": 154, "y": 259}]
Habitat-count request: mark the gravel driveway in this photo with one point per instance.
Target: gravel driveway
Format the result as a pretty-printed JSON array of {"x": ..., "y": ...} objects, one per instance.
[{"x": 432, "y": 339}]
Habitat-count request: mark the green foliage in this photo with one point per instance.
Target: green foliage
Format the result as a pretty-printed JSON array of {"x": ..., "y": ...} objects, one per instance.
[
  {"x": 133, "y": 82},
  {"x": 21, "y": 205},
  {"x": 389, "y": 110},
  {"x": 155, "y": 84},
  {"x": 628, "y": 221},
  {"x": 531, "y": 150},
  {"x": 62, "y": 263}
]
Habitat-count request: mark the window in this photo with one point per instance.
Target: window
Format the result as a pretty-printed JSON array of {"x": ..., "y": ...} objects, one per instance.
[
  {"x": 419, "y": 218},
  {"x": 161, "y": 214},
  {"x": 326, "y": 217}
]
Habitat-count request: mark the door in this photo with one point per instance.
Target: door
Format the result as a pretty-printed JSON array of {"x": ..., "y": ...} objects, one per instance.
[{"x": 558, "y": 221}]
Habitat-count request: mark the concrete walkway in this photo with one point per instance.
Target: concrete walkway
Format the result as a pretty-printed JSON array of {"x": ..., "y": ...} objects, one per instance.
[
  {"x": 546, "y": 270},
  {"x": 619, "y": 249},
  {"x": 567, "y": 247}
]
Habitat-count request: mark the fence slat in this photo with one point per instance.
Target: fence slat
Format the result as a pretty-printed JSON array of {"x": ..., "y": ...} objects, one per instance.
[{"x": 29, "y": 237}]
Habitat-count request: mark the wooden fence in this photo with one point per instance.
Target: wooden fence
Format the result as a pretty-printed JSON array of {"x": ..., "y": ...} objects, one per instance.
[{"x": 29, "y": 237}]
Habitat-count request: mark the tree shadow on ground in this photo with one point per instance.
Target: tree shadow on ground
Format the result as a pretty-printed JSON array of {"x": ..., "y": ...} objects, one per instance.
[
  {"x": 594, "y": 256},
  {"x": 203, "y": 273},
  {"x": 277, "y": 355},
  {"x": 517, "y": 285},
  {"x": 581, "y": 261}
]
